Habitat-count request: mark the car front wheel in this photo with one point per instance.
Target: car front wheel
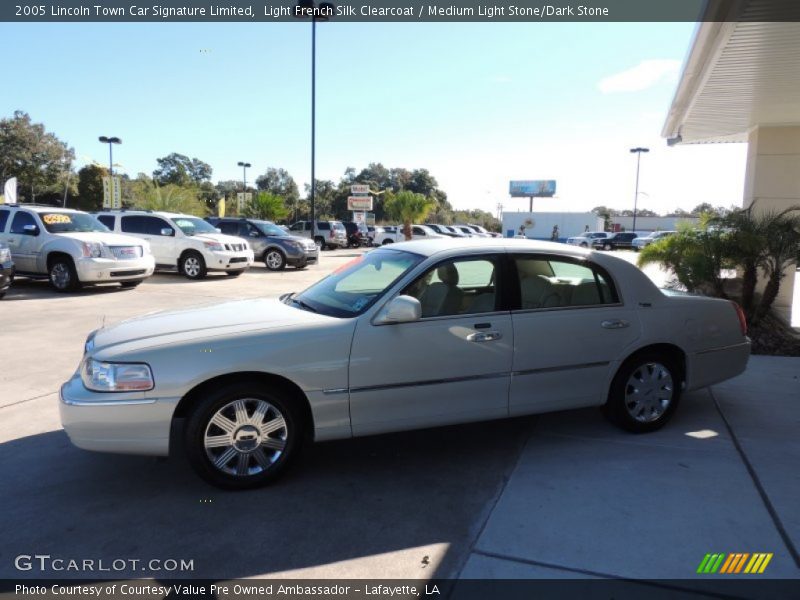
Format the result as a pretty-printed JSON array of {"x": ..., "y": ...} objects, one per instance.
[
  {"x": 275, "y": 260},
  {"x": 242, "y": 437},
  {"x": 606, "y": 246},
  {"x": 193, "y": 266},
  {"x": 63, "y": 276},
  {"x": 645, "y": 393},
  {"x": 320, "y": 242}
]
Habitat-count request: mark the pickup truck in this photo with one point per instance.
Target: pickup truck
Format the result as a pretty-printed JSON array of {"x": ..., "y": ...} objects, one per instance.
[{"x": 394, "y": 233}]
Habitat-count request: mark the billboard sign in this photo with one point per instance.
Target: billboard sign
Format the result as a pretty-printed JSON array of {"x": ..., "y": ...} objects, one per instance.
[
  {"x": 359, "y": 188},
  {"x": 537, "y": 188},
  {"x": 359, "y": 203},
  {"x": 112, "y": 192}
]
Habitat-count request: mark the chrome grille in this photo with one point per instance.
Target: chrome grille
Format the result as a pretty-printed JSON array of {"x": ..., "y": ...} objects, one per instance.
[
  {"x": 126, "y": 252},
  {"x": 235, "y": 247}
]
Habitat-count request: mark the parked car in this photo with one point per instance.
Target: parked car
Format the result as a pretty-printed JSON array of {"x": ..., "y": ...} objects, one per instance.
[
  {"x": 467, "y": 231},
  {"x": 394, "y": 233},
  {"x": 615, "y": 241},
  {"x": 6, "y": 269},
  {"x": 586, "y": 239},
  {"x": 372, "y": 233},
  {"x": 480, "y": 229},
  {"x": 184, "y": 243},
  {"x": 477, "y": 329},
  {"x": 441, "y": 229},
  {"x": 644, "y": 241},
  {"x": 328, "y": 234},
  {"x": 71, "y": 248},
  {"x": 357, "y": 234},
  {"x": 271, "y": 244},
  {"x": 473, "y": 231}
]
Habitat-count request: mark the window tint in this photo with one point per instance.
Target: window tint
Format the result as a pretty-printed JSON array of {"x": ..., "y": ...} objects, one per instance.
[
  {"x": 3, "y": 220},
  {"x": 228, "y": 228},
  {"x": 296, "y": 227},
  {"x": 107, "y": 220},
  {"x": 546, "y": 283},
  {"x": 143, "y": 225},
  {"x": 457, "y": 287},
  {"x": 417, "y": 231},
  {"x": 20, "y": 220},
  {"x": 324, "y": 226}
]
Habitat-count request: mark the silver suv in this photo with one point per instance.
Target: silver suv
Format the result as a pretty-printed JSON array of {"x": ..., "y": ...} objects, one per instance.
[
  {"x": 71, "y": 248},
  {"x": 328, "y": 234}
]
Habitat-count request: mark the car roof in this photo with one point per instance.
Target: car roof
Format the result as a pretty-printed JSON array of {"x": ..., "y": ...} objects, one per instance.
[
  {"x": 42, "y": 208},
  {"x": 437, "y": 245}
]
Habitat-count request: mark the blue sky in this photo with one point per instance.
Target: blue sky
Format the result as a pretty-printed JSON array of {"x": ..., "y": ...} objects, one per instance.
[{"x": 476, "y": 104}]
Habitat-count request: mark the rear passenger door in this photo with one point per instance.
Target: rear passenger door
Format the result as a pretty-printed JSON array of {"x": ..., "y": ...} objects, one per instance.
[
  {"x": 571, "y": 325},
  {"x": 150, "y": 228}
]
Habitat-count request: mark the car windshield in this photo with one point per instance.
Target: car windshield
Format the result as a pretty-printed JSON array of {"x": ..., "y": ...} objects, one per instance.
[
  {"x": 193, "y": 225},
  {"x": 268, "y": 228},
  {"x": 354, "y": 287},
  {"x": 62, "y": 222}
]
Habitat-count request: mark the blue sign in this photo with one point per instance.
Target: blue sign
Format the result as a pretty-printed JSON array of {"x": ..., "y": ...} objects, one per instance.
[{"x": 536, "y": 188}]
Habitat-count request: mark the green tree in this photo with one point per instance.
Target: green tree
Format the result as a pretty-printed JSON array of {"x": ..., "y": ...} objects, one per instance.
[
  {"x": 148, "y": 195},
  {"x": 90, "y": 187},
  {"x": 407, "y": 208},
  {"x": 267, "y": 206},
  {"x": 178, "y": 169},
  {"x": 38, "y": 159}
]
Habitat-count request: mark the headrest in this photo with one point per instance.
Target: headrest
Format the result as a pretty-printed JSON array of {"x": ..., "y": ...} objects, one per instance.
[{"x": 448, "y": 274}]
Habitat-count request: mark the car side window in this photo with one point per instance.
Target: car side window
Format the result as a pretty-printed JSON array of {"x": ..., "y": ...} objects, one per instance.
[
  {"x": 154, "y": 225},
  {"x": 21, "y": 219},
  {"x": 107, "y": 220},
  {"x": 228, "y": 228},
  {"x": 324, "y": 226},
  {"x": 553, "y": 283},
  {"x": 3, "y": 220},
  {"x": 457, "y": 287},
  {"x": 417, "y": 231}
]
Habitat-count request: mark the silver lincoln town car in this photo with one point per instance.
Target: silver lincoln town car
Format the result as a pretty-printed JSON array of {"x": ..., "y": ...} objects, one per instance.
[{"x": 412, "y": 335}]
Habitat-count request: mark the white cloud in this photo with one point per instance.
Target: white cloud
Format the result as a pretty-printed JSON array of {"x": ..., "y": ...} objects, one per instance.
[{"x": 644, "y": 75}]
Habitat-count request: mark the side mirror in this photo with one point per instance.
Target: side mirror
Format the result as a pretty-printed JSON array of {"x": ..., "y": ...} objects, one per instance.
[
  {"x": 402, "y": 309},
  {"x": 254, "y": 234},
  {"x": 30, "y": 230},
  {"x": 167, "y": 231}
]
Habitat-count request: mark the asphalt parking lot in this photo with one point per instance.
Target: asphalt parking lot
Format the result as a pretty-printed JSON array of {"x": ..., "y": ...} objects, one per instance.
[{"x": 560, "y": 495}]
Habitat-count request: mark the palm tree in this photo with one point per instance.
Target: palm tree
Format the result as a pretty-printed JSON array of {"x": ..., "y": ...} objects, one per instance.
[
  {"x": 781, "y": 243},
  {"x": 267, "y": 206},
  {"x": 407, "y": 208}
]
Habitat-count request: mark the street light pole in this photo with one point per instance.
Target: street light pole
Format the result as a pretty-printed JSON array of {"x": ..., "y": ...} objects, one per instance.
[
  {"x": 321, "y": 12},
  {"x": 244, "y": 166},
  {"x": 110, "y": 141},
  {"x": 638, "y": 152}
]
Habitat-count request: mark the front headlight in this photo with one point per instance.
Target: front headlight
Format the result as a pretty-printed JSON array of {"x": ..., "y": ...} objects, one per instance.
[
  {"x": 99, "y": 376},
  {"x": 92, "y": 250},
  {"x": 214, "y": 246}
]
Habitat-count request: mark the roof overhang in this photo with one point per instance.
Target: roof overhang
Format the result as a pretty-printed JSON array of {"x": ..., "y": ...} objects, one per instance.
[{"x": 743, "y": 71}]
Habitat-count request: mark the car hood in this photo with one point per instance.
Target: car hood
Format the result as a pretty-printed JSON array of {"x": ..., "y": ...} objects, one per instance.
[
  {"x": 218, "y": 237},
  {"x": 206, "y": 321},
  {"x": 107, "y": 238}
]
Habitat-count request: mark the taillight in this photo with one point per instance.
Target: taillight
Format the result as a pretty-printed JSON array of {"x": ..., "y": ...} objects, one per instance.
[
  {"x": 331, "y": 234},
  {"x": 742, "y": 318}
]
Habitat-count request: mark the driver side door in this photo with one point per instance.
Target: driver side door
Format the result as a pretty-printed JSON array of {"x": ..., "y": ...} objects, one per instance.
[{"x": 451, "y": 366}]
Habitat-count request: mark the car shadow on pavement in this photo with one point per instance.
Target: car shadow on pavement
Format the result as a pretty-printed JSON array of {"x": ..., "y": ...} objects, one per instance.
[
  {"x": 39, "y": 289},
  {"x": 356, "y": 499}
]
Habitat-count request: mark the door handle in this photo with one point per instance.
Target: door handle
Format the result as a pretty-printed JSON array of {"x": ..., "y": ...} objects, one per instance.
[
  {"x": 615, "y": 324},
  {"x": 484, "y": 336}
]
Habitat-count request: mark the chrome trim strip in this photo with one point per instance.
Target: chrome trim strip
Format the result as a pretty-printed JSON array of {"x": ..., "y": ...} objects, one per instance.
[
  {"x": 372, "y": 388},
  {"x": 335, "y": 391},
  {"x": 69, "y": 402},
  {"x": 720, "y": 348},
  {"x": 564, "y": 368}
]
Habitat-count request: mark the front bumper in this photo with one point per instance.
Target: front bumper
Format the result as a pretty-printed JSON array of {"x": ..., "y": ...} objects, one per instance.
[
  {"x": 301, "y": 256},
  {"x": 125, "y": 423},
  {"x": 107, "y": 270},
  {"x": 6, "y": 276},
  {"x": 229, "y": 261}
]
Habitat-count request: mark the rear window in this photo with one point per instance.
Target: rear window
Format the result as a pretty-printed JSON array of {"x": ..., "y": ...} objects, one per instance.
[
  {"x": 3, "y": 219},
  {"x": 107, "y": 220},
  {"x": 324, "y": 226}
]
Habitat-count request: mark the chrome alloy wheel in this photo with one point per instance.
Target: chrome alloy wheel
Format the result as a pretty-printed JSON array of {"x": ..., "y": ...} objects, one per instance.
[
  {"x": 60, "y": 276},
  {"x": 191, "y": 266},
  {"x": 274, "y": 260},
  {"x": 245, "y": 437},
  {"x": 649, "y": 392}
]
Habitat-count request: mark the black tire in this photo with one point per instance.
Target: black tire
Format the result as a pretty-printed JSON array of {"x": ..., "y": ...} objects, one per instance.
[
  {"x": 387, "y": 242},
  {"x": 130, "y": 284},
  {"x": 300, "y": 266},
  {"x": 234, "y": 273},
  {"x": 62, "y": 274},
  {"x": 584, "y": 245},
  {"x": 248, "y": 440},
  {"x": 320, "y": 242},
  {"x": 192, "y": 265},
  {"x": 2, "y": 295},
  {"x": 624, "y": 400},
  {"x": 606, "y": 246},
  {"x": 274, "y": 259}
]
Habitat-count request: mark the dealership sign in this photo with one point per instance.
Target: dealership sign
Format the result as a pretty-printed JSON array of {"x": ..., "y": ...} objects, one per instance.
[
  {"x": 532, "y": 188},
  {"x": 359, "y": 188},
  {"x": 359, "y": 203}
]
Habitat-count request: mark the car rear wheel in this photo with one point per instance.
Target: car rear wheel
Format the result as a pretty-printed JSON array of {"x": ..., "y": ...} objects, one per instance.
[
  {"x": 275, "y": 260},
  {"x": 386, "y": 242},
  {"x": 130, "y": 284},
  {"x": 62, "y": 275},
  {"x": 320, "y": 242},
  {"x": 241, "y": 437},
  {"x": 193, "y": 266},
  {"x": 606, "y": 246},
  {"x": 584, "y": 245},
  {"x": 645, "y": 393}
]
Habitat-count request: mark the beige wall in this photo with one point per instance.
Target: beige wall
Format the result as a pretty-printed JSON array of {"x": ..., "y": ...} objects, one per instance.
[{"x": 772, "y": 182}]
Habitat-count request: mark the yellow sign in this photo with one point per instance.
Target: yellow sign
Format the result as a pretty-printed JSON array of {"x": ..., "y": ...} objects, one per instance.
[
  {"x": 221, "y": 207},
  {"x": 112, "y": 192}
]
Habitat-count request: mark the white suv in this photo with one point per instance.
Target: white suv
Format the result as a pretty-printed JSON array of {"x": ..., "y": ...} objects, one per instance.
[
  {"x": 71, "y": 248},
  {"x": 183, "y": 242}
]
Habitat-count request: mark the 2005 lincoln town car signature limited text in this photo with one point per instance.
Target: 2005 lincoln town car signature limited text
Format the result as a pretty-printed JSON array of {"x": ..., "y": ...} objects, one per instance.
[{"x": 415, "y": 335}]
